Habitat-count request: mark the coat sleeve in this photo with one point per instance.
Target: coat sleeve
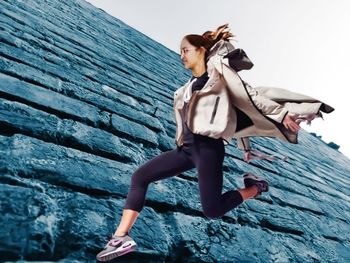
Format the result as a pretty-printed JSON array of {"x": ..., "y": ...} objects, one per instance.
[
  {"x": 238, "y": 60},
  {"x": 268, "y": 107}
]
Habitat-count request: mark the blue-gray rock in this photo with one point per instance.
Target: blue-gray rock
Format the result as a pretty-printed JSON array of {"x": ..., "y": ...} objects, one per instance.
[{"x": 84, "y": 101}]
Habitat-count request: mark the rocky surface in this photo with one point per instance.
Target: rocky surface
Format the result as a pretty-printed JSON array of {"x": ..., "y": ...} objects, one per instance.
[{"x": 85, "y": 100}]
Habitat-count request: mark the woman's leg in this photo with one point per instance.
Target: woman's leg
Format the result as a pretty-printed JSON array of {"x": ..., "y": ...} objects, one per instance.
[
  {"x": 126, "y": 222},
  {"x": 209, "y": 159},
  {"x": 165, "y": 165}
]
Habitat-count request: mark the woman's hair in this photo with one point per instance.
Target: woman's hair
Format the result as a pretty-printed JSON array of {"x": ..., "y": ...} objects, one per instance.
[{"x": 209, "y": 38}]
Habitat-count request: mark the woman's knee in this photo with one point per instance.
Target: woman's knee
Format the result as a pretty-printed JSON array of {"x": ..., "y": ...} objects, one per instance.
[
  {"x": 139, "y": 178},
  {"x": 212, "y": 213}
]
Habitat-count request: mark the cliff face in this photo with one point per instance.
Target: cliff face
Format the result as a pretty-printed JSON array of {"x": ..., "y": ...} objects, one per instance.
[{"x": 84, "y": 101}]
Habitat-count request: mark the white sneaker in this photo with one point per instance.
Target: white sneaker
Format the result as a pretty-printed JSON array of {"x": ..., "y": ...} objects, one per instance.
[
  {"x": 251, "y": 179},
  {"x": 116, "y": 247}
]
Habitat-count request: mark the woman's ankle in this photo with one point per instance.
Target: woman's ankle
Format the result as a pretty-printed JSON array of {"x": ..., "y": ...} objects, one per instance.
[
  {"x": 120, "y": 233},
  {"x": 249, "y": 193}
]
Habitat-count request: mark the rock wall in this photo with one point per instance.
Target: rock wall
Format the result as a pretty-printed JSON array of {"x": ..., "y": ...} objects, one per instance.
[{"x": 84, "y": 101}]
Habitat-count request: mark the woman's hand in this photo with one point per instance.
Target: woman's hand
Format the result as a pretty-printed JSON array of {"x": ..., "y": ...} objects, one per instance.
[
  {"x": 247, "y": 156},
  {"x": 250, "y": 155},
  {"x": 290, "y": 123}
]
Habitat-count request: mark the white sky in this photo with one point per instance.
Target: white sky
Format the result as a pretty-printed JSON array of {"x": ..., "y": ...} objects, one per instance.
[{"x": 300, "y": 45}]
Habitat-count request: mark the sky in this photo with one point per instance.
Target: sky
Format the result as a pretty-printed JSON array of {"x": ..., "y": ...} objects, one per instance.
[{"x": 303, "y": 46}]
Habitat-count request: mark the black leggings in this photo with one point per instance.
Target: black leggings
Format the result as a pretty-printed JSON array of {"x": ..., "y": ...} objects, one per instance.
[{"x": 207, "y": 155}]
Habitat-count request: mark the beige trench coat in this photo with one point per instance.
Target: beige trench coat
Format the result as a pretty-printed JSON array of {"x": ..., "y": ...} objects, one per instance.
[{"x": 227, "y": 107}]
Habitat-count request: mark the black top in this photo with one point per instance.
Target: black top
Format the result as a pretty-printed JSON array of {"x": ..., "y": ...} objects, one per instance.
[
  {"x": 200, "y": 82},
  {"x": 196, "y": 85}
]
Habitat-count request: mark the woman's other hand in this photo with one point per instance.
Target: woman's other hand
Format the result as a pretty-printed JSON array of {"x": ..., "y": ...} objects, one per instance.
[{"x": 290, "y": 123}]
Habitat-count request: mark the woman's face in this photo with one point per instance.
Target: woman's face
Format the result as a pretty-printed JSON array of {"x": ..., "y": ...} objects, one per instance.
[{"x": 190, "y": 55}]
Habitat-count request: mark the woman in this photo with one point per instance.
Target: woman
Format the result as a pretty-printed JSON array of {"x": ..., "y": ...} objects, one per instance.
[
  {"x": 262, "y": 111},
  {"x": 206, "y": 119}
]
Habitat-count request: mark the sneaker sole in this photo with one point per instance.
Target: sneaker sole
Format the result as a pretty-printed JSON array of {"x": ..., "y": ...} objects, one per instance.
[{"x": 131, "y": 247}]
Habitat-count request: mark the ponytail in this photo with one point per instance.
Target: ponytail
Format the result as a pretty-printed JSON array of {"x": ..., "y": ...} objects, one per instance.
[
  {"x": 221, "y": 33},
  {"x": 209, "y": 38}
]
